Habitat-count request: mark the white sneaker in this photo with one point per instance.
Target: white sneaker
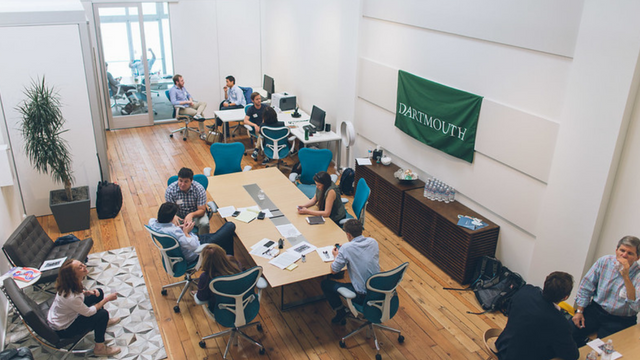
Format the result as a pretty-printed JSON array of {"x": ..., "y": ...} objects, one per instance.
[{"x": 198, "y": 116}]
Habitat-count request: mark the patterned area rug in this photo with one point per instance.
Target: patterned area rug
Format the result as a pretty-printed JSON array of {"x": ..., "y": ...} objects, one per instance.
[{"x": 137, "y": 334}]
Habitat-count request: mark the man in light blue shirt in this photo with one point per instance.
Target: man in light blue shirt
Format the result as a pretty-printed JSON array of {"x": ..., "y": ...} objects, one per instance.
[
  {"x": 179, "y": 96},
  {"x": 608, "y": 298},
  {"x": 189, "y": 242},
  {"x": 233, "y": 95},
  {"x": 361, "y": 257}
]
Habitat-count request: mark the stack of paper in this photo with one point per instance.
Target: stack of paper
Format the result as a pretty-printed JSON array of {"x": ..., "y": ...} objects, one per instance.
[
  {"x": 265, "y": 248},
  {"x": 285, "y": 259}
]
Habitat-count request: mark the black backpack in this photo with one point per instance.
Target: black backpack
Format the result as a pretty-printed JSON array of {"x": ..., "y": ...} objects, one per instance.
[
  {"x": 494, "y": 285},
  {"x": 108, "y": 200},
  {"x": 346, "y": 181}
]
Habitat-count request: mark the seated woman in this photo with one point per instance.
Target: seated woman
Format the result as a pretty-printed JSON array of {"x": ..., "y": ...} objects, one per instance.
[
  {"x": 75, "y": 310},
  {"x": 215, "y": 262},
  {"x": 269, "y": 119},
  {"x": 327, "y": 197}
]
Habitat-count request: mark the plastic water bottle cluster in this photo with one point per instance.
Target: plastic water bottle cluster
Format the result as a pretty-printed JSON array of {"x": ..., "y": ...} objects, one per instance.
[{"x": 436, "y": 190}]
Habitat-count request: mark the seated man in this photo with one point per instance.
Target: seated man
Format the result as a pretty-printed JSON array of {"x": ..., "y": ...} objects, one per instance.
[
  {"x": 233, "y": 95},
  {"x": 536, "y": 329},
  {"x": 607, "y": 300},
  {"x": 179, "y": 96},
  {"x": 191, "y": 199},
  {"x": 253, "y": 118},
  {"x": 189, "y": 242},
  {"x": 360, "y": 255}
]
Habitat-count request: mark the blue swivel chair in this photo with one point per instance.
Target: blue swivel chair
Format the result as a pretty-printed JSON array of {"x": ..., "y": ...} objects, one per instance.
[
  {"x": 246, "y": 91},
  {"x": 228, "y": 157},
  {"x": 236, "y": 305},
  {"x": 360, "y": 201},
  {"x": 380, "y": 304},
  {"x": 174, "y": 263},
  {"x": 276, "y": 143},
  {"x": 181, "y": 117},
  {"x": 312, "y": 162}
]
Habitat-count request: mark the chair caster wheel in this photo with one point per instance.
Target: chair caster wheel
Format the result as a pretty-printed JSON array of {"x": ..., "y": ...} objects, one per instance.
[
  {"x": 170, "y": 135},
  {"x": 184, "y": 139},
  {"x": 164, "y": 292},
  {"x": 342, "y": 344},
  {"x": 378, "y": 357},
  {"x": 262, "y": 351},
  {"x": 202, "y": 344},
  {"x": 176, "y": 309},
  {"x": 400, "y": 339},
  {"x": 259, "y": 327}
]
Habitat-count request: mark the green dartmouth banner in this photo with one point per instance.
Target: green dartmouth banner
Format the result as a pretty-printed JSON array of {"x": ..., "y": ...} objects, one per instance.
[{"x": 437, "y": 115}]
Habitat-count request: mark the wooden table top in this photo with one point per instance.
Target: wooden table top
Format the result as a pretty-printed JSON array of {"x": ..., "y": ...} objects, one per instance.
[
  {"x": 626, "y": 342},
  {"x": 228, "y": 190}
]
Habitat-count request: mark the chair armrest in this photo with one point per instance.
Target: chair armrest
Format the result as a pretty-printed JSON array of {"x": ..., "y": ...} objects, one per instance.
[
  {"x": 262, "y": 284},
  {"x": 341, "y": 222},
  {"x": 247, "y": 168},
  {"x": 199, "y": 249},
  {"x": 213, "y": 206},
  {"x": 248, "y": 127},
  {"x": 349, "y": 296},
  {"x": 293, "y": 177},
  {"x": 292, "y": 139},
  {"x": 198, "y": 301}
]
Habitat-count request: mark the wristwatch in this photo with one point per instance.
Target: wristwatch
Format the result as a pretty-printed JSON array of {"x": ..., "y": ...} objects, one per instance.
[{"x": 578, "y": 311}]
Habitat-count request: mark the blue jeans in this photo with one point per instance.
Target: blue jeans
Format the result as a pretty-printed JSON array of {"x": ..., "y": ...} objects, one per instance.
[
  {"x": 330, "y": 290},
  {"x": 223, "y": 237}
]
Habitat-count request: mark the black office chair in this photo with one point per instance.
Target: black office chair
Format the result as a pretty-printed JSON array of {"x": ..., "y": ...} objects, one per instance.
[{"x": 35, "y": 317}]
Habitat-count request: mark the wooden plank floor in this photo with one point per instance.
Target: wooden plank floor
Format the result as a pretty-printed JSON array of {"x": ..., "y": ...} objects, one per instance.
[{"x": 433, "y": 321}]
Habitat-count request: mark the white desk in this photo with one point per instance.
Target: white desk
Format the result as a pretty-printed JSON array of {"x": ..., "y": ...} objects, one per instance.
[
  {"x": 318, "y": 137},
  {"x": 227, "y": 116}
]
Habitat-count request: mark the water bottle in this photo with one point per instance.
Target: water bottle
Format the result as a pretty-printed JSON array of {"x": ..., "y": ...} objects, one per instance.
[
  {"x": 607, "y": 351},
  {"x": 452, "y": 195},
  {"x": 304, "y": 258},
  {"x": 306, "y": 134},
  {"x": 425, "y": 189},
  {"x": 593, "y": 355},
  {"x": 447, "y": 194},
  {"x": 261, "y": 195},
  {"x": 370, "y": 154}
]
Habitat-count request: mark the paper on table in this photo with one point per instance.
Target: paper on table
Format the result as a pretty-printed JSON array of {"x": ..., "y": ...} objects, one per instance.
[
  {"x": 326, "y": 253},
  {"x": 363, "y": 161},
  {"x": 226, "y": 211},
  {"x": 262, "y": 242},
  {"x": 285, "y": 259},
  {"x": 52, "y": 264},
  {"x": 303, "y": 248},
  {"x": 247, "y": 215},
  {"x": 597, "y": 344},
  {"x": 288, "y": 230},
  {"x": 254, "y": 208}
]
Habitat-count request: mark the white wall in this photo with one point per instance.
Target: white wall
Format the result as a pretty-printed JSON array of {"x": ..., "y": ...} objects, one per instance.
[
  {"x": 310, "y": 49},
  {"x": 35, "y": 45}
]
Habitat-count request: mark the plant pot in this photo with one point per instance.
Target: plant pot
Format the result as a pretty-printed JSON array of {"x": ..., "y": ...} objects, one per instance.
[{"x": 71, "y": 215}]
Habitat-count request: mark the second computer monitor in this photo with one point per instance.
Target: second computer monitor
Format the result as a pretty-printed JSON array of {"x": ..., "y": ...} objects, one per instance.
[
  {"x": 317, "y": 118},
  {"x": 268, "y": 85}
]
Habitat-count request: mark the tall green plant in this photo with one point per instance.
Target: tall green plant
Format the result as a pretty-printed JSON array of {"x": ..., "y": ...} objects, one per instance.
[{"x": 41, "y": 127}]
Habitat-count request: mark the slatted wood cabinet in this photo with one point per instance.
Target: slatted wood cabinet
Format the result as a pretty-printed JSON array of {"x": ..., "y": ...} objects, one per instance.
[
  {"x": 387, "y": 193},
  {"x": 431, "y": 227}
]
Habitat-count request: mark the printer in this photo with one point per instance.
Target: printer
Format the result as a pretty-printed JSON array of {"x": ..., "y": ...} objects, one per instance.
[{"x": 283, "y": 101}]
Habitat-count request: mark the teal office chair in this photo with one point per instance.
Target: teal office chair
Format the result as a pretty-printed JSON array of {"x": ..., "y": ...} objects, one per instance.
[
  {"x": 276, "y": 143},
  {"x": 174, "y": 263},
  {"x": 360, "y": 201},
  {"x": 184, "y": 118},
  {"x": 228, "y": 157},
  {"x": 246, "y": 91},
  {"x": 380, "y": 304},
  {"x": 312, "y": 162},
  {"x": 236, "y": 304}
]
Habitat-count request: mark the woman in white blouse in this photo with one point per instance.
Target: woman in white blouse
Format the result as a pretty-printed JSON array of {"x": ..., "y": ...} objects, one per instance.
[{"x": 76, "y": 310}]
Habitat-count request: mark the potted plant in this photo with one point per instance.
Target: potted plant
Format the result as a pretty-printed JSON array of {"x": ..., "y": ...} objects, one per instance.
[{"x": 42, "y": 126}]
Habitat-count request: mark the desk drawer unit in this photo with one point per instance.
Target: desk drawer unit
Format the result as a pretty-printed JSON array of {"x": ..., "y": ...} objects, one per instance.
[
  {"x": 431, "y": 228},
  {"x": 387, "y": 193}
]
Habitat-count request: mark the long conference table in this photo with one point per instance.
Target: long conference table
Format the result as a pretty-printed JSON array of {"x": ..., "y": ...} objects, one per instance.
[
  {"x": 229, "y": 190},
  {"x": 626, "y": 342}
]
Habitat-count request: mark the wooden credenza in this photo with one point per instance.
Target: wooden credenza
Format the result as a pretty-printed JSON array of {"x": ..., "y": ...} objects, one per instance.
[
  {"x": 431, "y": 228},
  {"x": 387, "y": 193}
]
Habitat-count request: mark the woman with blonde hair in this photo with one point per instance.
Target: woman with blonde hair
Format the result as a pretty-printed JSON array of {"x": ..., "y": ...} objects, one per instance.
[
  {"x": 76, "y": 310},
  {"x": 215, "y": 262}
]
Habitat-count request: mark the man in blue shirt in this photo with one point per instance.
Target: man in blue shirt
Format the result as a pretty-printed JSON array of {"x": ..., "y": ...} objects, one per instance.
[
  {"x": 360, "y": 255},
  {"x": 191, "y": 198},
  {"x": 179, "y": 96},
  {"x": 536, "y": 329},
  {"x": 233, "y": 95},
  {"x": 607, "y": 300},
  {"x": 189, "y": 241}
]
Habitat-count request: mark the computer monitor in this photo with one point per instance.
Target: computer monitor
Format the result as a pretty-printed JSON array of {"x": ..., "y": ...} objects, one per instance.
[
  {"x": 317, "y": 118},
  {"x": 268, "y": 85}
]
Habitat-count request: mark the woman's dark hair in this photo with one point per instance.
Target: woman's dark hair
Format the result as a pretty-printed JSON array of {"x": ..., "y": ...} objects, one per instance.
[
  {"x": 323, "y": 178},
  {"x": 215, "y": 262},
  {"x": 269, "y": 116},
  {"x": 68, "y": 282}
]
